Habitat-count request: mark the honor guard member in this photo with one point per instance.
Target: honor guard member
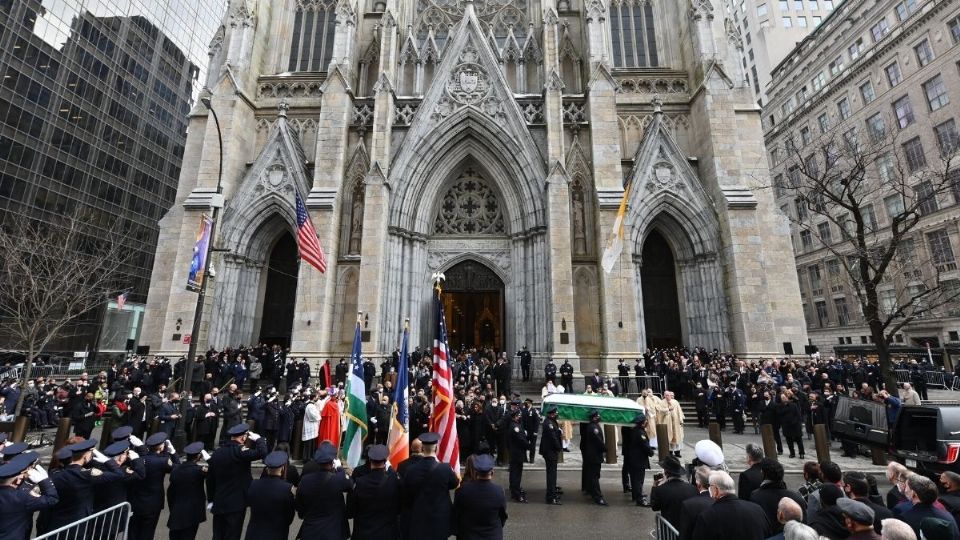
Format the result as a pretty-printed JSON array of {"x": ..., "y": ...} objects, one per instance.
[
  {"x": 186, "y": 495},
  {"x": 319, "y": 499},
  {"x": 638, "y": 448},
  {"x": 518, "y": 445},
  {"x": 593, "y": 449},
  {"x": 623, "y": 373},
  {"x": 531, "y": 424},
  {"x": 14, "y": 450},
  {"x": 122, "y": 433},
  {"x": 132, "y": 465},
  {"x": 228, "y": 477},
  {"x": 147, "y": 495},
  {"x": 566, "y": 376},
  {"x": 428, "y": 484},
  {"x": 17, "y": 504},
  {"x": 75, "y": 484},
  {"x": 551, "y": 445},
  {"x": 479, "y": 507},
  {"x": 374, "y": 503},
  {"x": 271, "y": 500},
  {"x": 550, "y": 371}
]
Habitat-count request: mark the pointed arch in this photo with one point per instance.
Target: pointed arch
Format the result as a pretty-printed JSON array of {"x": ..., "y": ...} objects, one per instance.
[
  {"x": 582, "y": 202},
  {"x": 354, "y": 190},
  {"x": 348, "y": 290}
]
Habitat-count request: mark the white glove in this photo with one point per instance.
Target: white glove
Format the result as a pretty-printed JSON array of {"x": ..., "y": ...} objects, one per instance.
[
  {"x": 253, "y": 436},
  {"x": 209, "y": 507},
  {"x": 37, "y": 474},
  {"x": 337, "y": 464},
  {"x": 135, "y": 441},
  {"x": 206, "y": 457},
  {"x": 99, "y": 457},
  {"x": 169, "y": 447},
  {"x": 133, "y": 455}
]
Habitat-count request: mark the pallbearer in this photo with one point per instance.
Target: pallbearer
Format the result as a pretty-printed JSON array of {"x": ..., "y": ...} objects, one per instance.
[{"x": 551, "y": 444}]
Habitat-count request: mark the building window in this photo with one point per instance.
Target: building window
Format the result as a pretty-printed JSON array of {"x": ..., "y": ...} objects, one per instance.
[
  {"x": 818, "y": 81},
  {"x": 805, "y": 136},
  {"x": 762, "y": 10},
  {"x": 855, "y": 49},
  {"x": 822, "y": 318},
  {"x": 894, "y": 204},
  {"x": 816, "y": 21},
  {"x": 313, "y": 29},
  {"x": 801, "y": 22},
  {"x": 784, "y": 6},
  {"x": 893, "y": 74},
  {"x": 843, "y": 107},
  {"x": 816, "y": 279},
  {"x": 813, "y": 5},
  {"x": 876, "y": 127},
  {"x": 828, "y": 5},
  {"x": 913, "y": 152},
  {"x": 905, "y": 9},
  {"x": 936, "y": 93},
  {"x": 869, "y": 217},
  {"x": 885, "y": 167},
  {"x": 798, "y": 5},
  {"x": 787, "y": 22},
  {"x": 867, "y": 93},
  {"x": 632, "y": 29},
  {"x": 954, "y": 25},
  {"x": 903, "y": 111},
  {"x": 926, "y": 198},
  {"x": 836, "y": 66},
  {"x": 947, "y": 137},
  {"x": 843, "y": 314},
  {"x": 852, "y": 141},
  {"x": 823, "y": 231},
  {"x": 924, "y": 52},
  {"x": 880, "y": 30},
  {"x": 801, "y": 207},
  {"x": 940, "y": 249},
  {"x": 954, "y": 179},
  {"x": 806, "y": 240},
  {"x": 824, "y": 122}
]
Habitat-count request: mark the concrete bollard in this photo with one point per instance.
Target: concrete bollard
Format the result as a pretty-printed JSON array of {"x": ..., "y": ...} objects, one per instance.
[
  {"x": 105, "y": 438},
  {"x": 769, "y": 444},
  {"x": 610, "y": 439},
  {"x": 663, "y": 442},
  {"x": 296, "y": 448},
  {"x": 878, "y": 455},
  {"x": 822, "y": 442},
  {"x": 20, "y": 426},
  {"x": 715, "y": 435}
]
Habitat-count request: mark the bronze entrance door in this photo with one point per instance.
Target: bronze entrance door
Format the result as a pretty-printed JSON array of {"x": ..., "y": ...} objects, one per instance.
[{"x": 473, "y": 302}]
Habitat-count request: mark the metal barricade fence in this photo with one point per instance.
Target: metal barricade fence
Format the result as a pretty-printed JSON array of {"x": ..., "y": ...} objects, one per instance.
[
  {"x": 109, "y": 524},
  {"x": 903, "y": 375},
  {"x": 664, "y": 530},
  {"x": 653, "y": 382},
  {"x": 936, "y": 378}
]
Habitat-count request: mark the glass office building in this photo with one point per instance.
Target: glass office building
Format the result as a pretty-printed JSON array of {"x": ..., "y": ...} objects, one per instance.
[{"x": 93, "y": 116}]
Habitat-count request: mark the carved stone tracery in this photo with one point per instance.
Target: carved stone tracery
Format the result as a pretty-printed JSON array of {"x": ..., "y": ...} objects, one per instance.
[{"x": 470, "y": 207}]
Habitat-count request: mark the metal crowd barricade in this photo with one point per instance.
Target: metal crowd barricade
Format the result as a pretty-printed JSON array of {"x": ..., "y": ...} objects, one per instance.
[
  {"x": 903, "y": 375},
  {"x": 956, "y": 384},
  {"x": 109, "y": 524},
  {"x": 935, "y": 378},
  {"x": 664, "y": 530},
  {"x": 653, "y": 382}
]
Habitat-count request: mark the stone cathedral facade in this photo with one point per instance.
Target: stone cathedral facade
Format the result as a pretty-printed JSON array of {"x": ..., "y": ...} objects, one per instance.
[{"x": 492, "y": 141}]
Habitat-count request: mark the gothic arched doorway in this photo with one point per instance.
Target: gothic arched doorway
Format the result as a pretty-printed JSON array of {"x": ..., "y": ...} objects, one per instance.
[
  {"x": 280, "y": 294},
  {"x": 658, "y": 281},
  {"x": 473, "y": 303}
]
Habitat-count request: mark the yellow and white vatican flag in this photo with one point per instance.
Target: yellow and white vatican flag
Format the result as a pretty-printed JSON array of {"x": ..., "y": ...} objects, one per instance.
[{"x": 615, "y": 243}]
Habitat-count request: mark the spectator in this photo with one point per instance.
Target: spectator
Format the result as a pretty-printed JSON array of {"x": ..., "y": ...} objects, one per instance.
[
  {"x": 829, "y": 474},
  {"x": 923, "y": 495},
  {"x": 667, "y": 496},
  {"x": 691, "y": 508},
  {"x": 909, "y": 396},
  {"x": 950, "y": 498},
  {"x": 828, "y": 521},
  {"x": 750, "y": 479},
  {"x": 730, "y": 517},
  {"x": 772, "y": 490},
  {"x": 795, "y": 530},
  {"x": 894, "y": 529},
  {"x": 857, "y": 487},
  {"x": 788, "y": 511},
  {"x": 896, "y": 475},
  {"x": 858, "y": 519},
  {"x": 811, "y": 480}
]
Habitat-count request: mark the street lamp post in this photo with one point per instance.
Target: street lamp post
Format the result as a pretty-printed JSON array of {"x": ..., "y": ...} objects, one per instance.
[{"x": 216, "y": 202}]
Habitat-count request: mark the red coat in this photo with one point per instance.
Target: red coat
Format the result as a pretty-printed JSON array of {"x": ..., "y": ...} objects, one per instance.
[{"x": 330, "y": 423}]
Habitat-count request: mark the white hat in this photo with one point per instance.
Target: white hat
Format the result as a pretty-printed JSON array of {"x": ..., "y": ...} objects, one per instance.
[{"x": 709, "y": 453}]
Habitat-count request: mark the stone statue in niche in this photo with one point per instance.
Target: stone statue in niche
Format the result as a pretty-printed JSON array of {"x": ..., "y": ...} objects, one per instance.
[
  {"x": 356, "y": 220},
  {"x": 579, "y": 220}
]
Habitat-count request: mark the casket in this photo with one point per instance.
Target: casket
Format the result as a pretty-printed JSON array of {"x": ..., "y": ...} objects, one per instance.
[{"x": 575, "y": 407}]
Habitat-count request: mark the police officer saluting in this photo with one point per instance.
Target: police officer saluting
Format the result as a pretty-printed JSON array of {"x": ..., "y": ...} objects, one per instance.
[
  {"x": 75, "y": 483},
  {"x": 271, "y": 501},
  {"x": 319, "y": 500},
  {"x": 147, "y": 495},
  {"x": 479, "y": 507},
  {"x": 551, "y": 444},
  {"x": 18, "y": 504},
  {"x": 374, "y": 503},
  {"x": 518, "y": 445},
  {"x": 132, "y": 465},
  {"x": 186, "y": 495},
  {"x": 229, "y": 477}
]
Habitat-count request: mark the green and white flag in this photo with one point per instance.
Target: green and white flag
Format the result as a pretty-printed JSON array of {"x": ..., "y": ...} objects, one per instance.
[{"x": 352, "y": 445}]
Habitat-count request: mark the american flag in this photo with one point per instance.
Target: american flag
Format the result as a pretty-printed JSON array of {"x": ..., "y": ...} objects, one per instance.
[
  {"x": 307, "y": 241},
  {"x": 444, "y": 418}
]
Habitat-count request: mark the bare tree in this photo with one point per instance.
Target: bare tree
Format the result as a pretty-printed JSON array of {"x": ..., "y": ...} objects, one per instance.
[
  {"x": 846, "y": 182},
  {"x": 53, "y": 273}
]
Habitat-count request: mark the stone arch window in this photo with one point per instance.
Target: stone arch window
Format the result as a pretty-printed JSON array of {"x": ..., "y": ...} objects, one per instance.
[
  {"x": 469, "y": 207},
  {"x": 355, "y": 232},
  {"x": 314, "y": 26},
  {"x": 633, "y": 35}
]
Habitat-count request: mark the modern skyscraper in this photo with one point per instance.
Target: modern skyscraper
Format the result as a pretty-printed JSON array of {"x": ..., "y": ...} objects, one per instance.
[{"x": 94, "y": 101}]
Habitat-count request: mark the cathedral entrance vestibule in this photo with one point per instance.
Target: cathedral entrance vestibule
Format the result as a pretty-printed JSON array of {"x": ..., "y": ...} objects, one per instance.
[
  {"x": 661, "y": 308},
  {"x": 473, "y": 302},
  {"x": 280, "y": 293}
]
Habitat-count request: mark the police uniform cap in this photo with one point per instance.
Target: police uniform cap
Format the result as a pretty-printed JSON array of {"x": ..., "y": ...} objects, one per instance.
[
  {"x": 429, "y": 438},
  {"x": 276, "y": 459},
  {"x": 156, "y": 439},
  {"x": 551, "y": 408},
  {"x": 193, "y": 449},
  {"x": 325, "y": 454},
  {"x": 708, "y": 452},
  {"x": 82, "y": 446},
  {"x": 122, "y": 432},
  {"x": 14, "y": 450},
  {"x": 239, "y": 429},
  {"x": 378, "y": 452},
  {"x": 515, "y": 412},
  {"x": 639, "y": 418},
  {"x": 64, "y": 453},
  {"x": 856, "y": 510},
  {"x": 528, "y": 400},
  {"x": 17, "y": 465},
  {"x": 483, "y": 463},
  {"x": 116, "y": 448},
  {"x": 593, "y": 412}
]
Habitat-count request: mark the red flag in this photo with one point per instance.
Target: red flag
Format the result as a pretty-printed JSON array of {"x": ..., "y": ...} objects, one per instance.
[
  {"x": 444, "y": 418},
  {"x": 307, "y": 241}
]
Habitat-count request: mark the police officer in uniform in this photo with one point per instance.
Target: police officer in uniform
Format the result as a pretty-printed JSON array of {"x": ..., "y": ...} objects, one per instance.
[
  {"x": 550, "y": 371},
  {"x": 147, "y": 495},
  {"x": 186, "y": 495},
  {"x": 640, "y": 453},
  {"x": 108, "y": 495},
  {"x": 551, "y": 444},
  {"x": 17, "y": 504},
  {"x": 479, "y": 507},
  {"x": 374, "y": 503},
  {"x": 12, "y": 451},
  {"x": 623, "y": 373},
  {"x": 319, "y": 500},
  {"x": 593, "y": 449},
  {"x": 531, "y": 424},
  {"x": 428, "y": 484},
  {"x": 228, "y": 478},
  {"x": 75, "y": 483},
  {"x": 566, "y": 376},
  {"x": 271, "y": 500},
  {"x": 518, "y": 445}
]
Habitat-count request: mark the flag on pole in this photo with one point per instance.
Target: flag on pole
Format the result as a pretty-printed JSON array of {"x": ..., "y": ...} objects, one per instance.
[
  {"x": 122, "y": 299},
  {"x": 615, "y": 243},
  {"x": 307, "y": 241},
  {"x": 398, "y": 440},
  {"x": 356, "y": 410},
  {"x": 444, "y": 418}
]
